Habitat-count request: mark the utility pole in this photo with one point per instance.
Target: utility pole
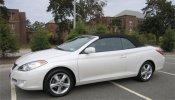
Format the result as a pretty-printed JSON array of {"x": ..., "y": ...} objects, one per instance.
[{"x": 74, "y": 26}]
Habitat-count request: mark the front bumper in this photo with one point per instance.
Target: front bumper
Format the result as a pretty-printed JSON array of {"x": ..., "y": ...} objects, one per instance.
[{"x": 29, "y": 80}]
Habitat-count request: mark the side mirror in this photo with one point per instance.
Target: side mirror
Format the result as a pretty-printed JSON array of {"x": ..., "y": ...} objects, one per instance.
[{"x": 89, "y": 50}]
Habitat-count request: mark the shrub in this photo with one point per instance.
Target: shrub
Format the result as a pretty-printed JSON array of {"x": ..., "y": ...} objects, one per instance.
[
  {"x": 40, "y": 40},
  {"x": 148, "y": 39},
  {"x": 101, "y": 28},
  {"x": 80, "y": 29},
  {"x": 8, "y": 40},
  {"x": 55, "y": 40},
  {"x": 168, "y": 40},
  {"x": 145, "y": 38}
]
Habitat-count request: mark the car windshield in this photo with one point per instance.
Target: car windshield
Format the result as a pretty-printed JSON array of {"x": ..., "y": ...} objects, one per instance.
[{"x": 75, "y": 44}]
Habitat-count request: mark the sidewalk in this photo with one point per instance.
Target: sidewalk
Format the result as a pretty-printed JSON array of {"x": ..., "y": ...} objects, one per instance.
[
  {"x": 12, "y": 57},
  {"x": 20, "y": 53},
  {"x": 170, "y": 53},
  {"x": 5, "y": 65}
]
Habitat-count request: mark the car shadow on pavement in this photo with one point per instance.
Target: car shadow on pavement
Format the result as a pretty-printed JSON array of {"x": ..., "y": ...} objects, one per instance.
[
  {"x": 100, "y": 91},
  {"x": 89, "y": 91}
]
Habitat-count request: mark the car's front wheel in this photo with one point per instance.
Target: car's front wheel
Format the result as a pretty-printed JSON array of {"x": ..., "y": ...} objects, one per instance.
[
  {"x": 145, "y": 72},
  {"x": 58, "y": 82}
]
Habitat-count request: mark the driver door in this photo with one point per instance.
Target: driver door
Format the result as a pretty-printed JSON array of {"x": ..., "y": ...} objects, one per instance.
[{"x": 107, "y": 62}]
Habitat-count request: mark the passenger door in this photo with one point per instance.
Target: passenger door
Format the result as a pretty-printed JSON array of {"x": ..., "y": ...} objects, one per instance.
[
  {"x": 108, "y": 61},
  {"x": 134, "y": 56}
]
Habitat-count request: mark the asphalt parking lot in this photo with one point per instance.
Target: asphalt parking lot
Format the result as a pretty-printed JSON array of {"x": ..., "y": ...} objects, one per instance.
[{"x": 160, "y": 87}]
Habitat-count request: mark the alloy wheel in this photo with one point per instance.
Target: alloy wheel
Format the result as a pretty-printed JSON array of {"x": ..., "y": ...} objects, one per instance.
[
  {"x": 146, "y": 71},
  {"x": 60, "y": 83}
]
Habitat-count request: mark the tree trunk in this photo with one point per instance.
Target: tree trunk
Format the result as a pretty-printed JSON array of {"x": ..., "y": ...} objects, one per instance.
[
  {"x": 3, "y": 53},
  {"x": 157, "y": 39}
]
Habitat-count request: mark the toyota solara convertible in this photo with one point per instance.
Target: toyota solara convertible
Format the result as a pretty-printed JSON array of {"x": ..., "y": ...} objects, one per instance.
[{"x": 86, "y": 59}]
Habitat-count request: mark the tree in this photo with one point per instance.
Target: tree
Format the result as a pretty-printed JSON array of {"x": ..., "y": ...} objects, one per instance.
[
  {"x": 8, "y": 40},
  {"x": 29, "y": 27},
  {"x": 1, "y": 1},
  {"x": 101, "y": 28},
  {"x": 4, "y": 14},
  {"x": 40, "y": 39},
  {"x": 153, "y": 25},
  {"x": 162, "y": 8},
  {"x": 90, "y": 9},
  {"x": 62, "y": 10},
  {"x": 80, "y": 29},
  {"x": 168, "y": 42},
  {"x": 38, "y": 26},
  {"x": 159, "y": 14},
  {"x": 35, "y": 26}
]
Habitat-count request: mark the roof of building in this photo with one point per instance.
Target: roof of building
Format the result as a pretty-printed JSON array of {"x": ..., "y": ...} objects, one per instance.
[
  {"x": 132, "y": 13},
  {"x": 51, "y": 21}
]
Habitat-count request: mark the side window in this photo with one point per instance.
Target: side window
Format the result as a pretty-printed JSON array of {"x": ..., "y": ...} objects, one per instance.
[
  {"x": 107, "y": 44},
  {"x": 127, "y": 44}
]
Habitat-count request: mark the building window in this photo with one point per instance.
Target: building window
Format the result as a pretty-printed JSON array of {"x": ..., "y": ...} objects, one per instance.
[
  {"x": 12, "y": 26},
  {"x": 12, "y": 17},
  {"x": 130, "y": 23}
]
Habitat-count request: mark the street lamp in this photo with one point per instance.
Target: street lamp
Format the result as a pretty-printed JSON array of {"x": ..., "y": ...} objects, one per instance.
[{"x": 74, "y": 26}]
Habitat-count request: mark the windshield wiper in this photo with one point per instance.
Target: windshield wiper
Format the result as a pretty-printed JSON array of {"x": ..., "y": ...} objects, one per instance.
[{"x": 60, "y": 48}]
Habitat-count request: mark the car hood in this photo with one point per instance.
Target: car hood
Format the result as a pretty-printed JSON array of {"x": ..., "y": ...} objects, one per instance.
[{"x": 41, "y": 55}]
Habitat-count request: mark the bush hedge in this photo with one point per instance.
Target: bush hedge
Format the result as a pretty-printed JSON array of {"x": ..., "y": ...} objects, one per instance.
[
  {"x": 168, "y": 40},
  {"x": 40, "y": 40}
]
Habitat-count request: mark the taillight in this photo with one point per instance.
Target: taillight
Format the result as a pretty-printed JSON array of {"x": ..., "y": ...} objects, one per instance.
[{"x": 160, "y": 51}]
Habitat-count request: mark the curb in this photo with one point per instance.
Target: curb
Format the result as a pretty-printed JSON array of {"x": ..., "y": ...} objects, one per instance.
[
  {"x": 5, "y": 65},
  {"x": 169, "y": 55}
]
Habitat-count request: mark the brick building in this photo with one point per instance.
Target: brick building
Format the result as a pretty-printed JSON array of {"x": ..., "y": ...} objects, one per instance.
[
  {"x": 17, "y": 23},
  {"x": 130, "y": 19},
  {"x": 52, "y": 27}
]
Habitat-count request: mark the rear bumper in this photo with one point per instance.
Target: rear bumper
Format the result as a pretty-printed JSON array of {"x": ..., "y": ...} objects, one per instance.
[{"x": 160, "y": 63}]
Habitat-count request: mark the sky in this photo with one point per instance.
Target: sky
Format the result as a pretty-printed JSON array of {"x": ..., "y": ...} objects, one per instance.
[{"x": 36, "y": 9}]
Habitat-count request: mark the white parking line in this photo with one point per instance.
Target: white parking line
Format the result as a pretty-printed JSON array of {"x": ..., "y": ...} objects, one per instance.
[
  {"x": 169, "y": 63},
  {"x": 13, "y": 92},
  {"x": 170, "y": 56},
  {"x": 131, "y": 91},
  {"x": 167, "y": 73}
]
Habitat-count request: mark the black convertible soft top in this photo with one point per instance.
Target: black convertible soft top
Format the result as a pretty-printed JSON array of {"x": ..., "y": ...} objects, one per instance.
[{"x": 133, "y": 39}]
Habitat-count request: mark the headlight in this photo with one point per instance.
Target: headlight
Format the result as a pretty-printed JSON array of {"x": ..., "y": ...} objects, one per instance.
[{"x": 32, "y": 65}]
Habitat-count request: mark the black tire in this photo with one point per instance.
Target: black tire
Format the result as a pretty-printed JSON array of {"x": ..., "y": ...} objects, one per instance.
[
  {"x": 141, "y": 76},
  {"x": 50, "y": 76}
]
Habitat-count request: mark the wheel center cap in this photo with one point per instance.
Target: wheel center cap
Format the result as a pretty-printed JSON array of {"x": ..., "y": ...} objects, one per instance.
[{"x": 60, "y": 83}]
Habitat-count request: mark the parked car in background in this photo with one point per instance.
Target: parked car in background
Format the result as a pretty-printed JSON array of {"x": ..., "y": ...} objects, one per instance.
[{"x": 86, "y": 59}]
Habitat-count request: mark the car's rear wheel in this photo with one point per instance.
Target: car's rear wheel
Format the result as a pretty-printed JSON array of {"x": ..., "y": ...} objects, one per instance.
[
  {"x": 58, "y": 82},
  {"x": 145, "y": 72}
]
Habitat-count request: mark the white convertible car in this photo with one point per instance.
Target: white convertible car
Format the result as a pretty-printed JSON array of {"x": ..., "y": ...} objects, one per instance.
[{"x": 86, "y": 59}]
